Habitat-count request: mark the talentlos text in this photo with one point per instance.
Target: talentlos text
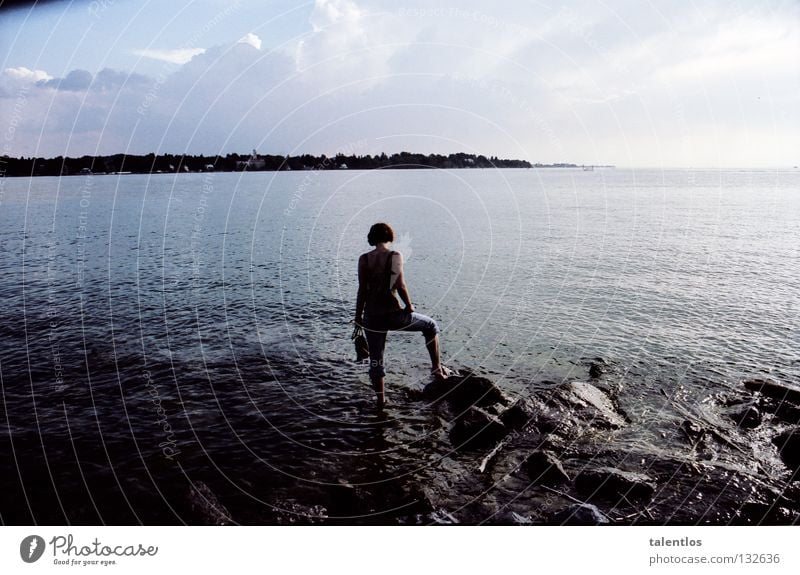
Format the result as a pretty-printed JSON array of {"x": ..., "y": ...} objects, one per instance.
[{"x": 66, "y": 546}]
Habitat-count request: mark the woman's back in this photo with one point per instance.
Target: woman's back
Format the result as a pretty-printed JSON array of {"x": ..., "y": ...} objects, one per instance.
[{"x": 380, "y": 276}]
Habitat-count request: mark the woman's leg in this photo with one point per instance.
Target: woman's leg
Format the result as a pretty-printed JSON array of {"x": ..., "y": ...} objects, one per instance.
[
  {"x": 433, "y": 350},
  {"x": 430, "y": 331},
  {"x": 376, "y": 341}
]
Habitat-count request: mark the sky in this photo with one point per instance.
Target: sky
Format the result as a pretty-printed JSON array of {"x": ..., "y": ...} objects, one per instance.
[{"x": 630, "y": 83}]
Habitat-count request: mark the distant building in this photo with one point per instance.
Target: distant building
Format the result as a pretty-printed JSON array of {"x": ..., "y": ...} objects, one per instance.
[{"x": 254, "y": 162}]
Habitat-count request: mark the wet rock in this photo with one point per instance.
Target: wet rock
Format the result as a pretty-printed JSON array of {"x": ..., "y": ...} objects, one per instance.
[
  {"x": 747, "y": 418},
  {"x": 437, "y": 390},
  {"x": 441, "y": 517},
  {"x": 788, "y": 444},
  {"x": 476, "y": 428},
  {"x": 580, "y": 514},
  {"x": 612, "y": 482},
  {"x": 756, "y": 513},
  {"x": 774, "y": 389},
  {"x": 416, "y": 501},
  {"x": 517, "y": 519},
  {"x": 552, "y": 416},
  {"x": 345, "y": 500},
  {"x": 291, "y": 512},
  {"x": 545, "y": 468},
  {"x": 205, "y": 507},
  {"x": 694, "y": 432},
  {"x": 464, "y": 389},
  {"x": 592, "y": 405},
  {"x": 596, "y": 370},
  {"x": 782, "y": 410},
  {"x": 521, "y": 414}
]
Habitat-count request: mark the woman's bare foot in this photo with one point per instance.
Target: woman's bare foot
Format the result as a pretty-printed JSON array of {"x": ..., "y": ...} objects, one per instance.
[
  {"x": 378, "y": 386},
  {"x": 440, "y": 373}
]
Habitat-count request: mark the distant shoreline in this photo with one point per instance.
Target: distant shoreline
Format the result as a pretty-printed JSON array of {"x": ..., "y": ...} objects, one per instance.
[{"x": 119, "y": 164}]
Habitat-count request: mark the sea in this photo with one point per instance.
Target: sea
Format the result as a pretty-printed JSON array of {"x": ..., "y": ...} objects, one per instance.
[{"x": 177, "y": 346}]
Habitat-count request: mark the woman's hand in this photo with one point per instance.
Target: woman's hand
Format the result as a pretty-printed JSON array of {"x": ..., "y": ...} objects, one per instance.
[{"x": 410, "y": 308}]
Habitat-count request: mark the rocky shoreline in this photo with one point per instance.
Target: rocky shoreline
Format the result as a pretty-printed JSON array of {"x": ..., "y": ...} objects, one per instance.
[
  {"x": 569, "y": 447},
  {"x": 741, "y": 450},
  {"x": 603, "y": 449}
]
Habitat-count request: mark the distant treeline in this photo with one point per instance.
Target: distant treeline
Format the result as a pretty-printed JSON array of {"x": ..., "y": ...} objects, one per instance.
[{"x": 170, "y": 163}]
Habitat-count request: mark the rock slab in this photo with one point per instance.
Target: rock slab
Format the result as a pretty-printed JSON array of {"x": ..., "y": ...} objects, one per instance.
[{"x": 611, "y": 482}]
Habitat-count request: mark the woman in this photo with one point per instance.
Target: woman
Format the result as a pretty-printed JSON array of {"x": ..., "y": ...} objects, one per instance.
[{"x": 380, "y": 277}]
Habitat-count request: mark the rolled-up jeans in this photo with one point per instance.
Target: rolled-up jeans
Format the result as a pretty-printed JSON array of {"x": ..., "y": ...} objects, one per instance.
[{"x": 377, "y": 326}]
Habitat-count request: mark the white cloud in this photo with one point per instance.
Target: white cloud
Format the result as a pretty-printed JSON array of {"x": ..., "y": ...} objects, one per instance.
[
  {"x": 338, "y": 33},
  {"x": 251, "y": 40},
  {"x": 535, "y": 83},
  {"x": 25, "y": 74},
  {"x": 177, "y": 56}
]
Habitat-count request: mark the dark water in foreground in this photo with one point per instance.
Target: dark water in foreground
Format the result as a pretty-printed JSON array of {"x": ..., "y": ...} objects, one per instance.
[{"x": 165, "y": 332}]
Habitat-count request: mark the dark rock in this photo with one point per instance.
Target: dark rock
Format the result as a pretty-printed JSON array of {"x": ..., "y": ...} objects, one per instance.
[
  {"x": 747, "y": 418},
  {"x": 592, "y": 405},
  {"x": 553, "y": 417},
  {"x": 788, "y": 444},
  {"x": 517, "y": 519},
  {"x": 596, "y": 370},
  {"x": 345, "y": 500},
  {"x": 291, "y": 512},
  {"x": 693, "y": 431},
  {"x": 441, "y": 517},
  {"x": 205, "y": 507},
  {"x": 464, "y": 389},
  {"x": 782, "y": 410},
  {"x": 545, "y": 468},
  {"x": 580, "y": 514},
  {"x": 756, "y": 513},
  {"x": 437, "y": 390},
  {"x": 612, "y": 482},
  {"x": 476, "y": 427},
  {"x": 774, "y": 389},
  {"x": 415, "y": 501},
  {"x": 521, "y": 414}
]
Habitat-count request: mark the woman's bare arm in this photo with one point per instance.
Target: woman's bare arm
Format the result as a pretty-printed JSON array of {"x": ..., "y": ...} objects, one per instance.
[
  {"x": 400, "y": 282},
  {"x": 361, "y": 298}
]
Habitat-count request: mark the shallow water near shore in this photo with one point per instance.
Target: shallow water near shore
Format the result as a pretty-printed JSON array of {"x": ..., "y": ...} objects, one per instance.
[{"x": 175, "y": 345}]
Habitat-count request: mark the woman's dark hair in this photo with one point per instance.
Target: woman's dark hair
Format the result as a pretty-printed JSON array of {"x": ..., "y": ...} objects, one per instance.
[{"x": 380, "y": 233}]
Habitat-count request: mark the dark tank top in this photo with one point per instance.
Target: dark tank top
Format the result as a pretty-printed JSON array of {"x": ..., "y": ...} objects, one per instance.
[{"x": 380, "y": 295}]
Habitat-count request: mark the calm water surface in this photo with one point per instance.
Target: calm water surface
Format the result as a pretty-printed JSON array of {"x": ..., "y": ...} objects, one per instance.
[{"x": 163, "y": 330}]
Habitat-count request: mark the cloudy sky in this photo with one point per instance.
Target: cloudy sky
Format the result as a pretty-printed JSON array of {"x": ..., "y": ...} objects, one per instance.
[{"x": 631, "y": 83}]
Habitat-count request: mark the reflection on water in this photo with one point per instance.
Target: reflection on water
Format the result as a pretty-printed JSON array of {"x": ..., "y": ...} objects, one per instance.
[{"x": 163, "y": 331}]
